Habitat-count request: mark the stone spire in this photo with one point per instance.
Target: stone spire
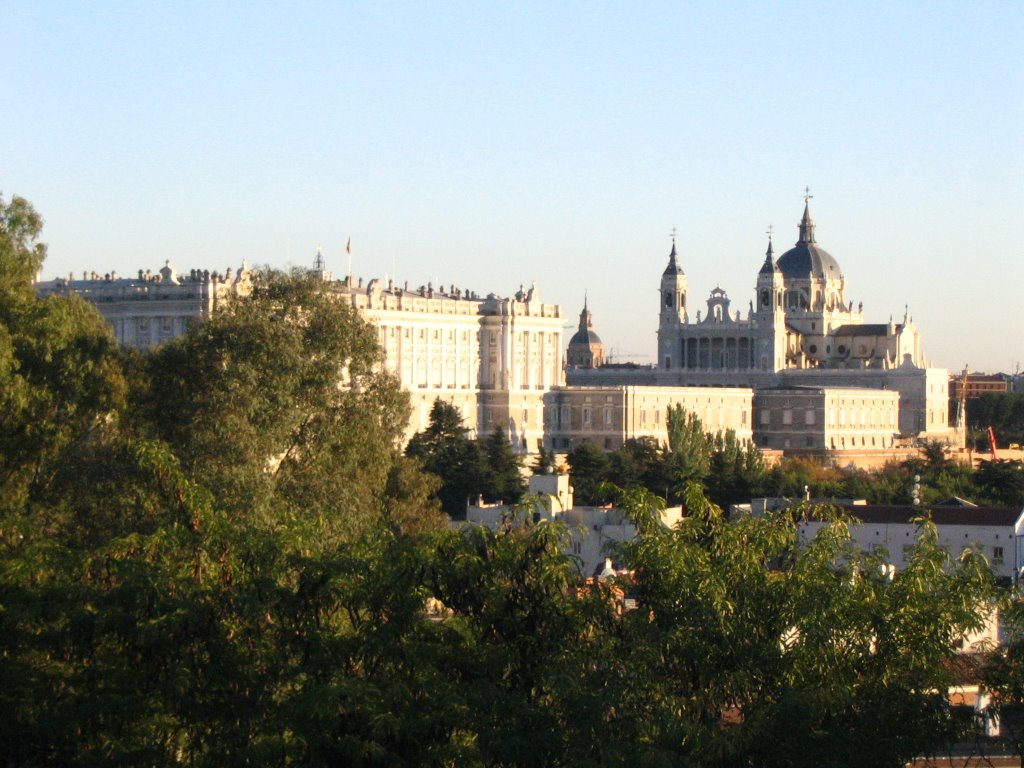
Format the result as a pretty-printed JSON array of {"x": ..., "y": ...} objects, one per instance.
[
  {"x": 673, "y": 265},
  {"x": 806, "y": 225},
  {"x": 769, "y": 265},
  {"x": 586, "y": 318}
]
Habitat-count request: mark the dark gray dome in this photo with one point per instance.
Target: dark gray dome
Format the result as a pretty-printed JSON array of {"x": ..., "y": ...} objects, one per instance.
[
  {"x": 805, "y": 259},
  {"x": 808, "y": 260},
  {"x": 584, "y": 338}
]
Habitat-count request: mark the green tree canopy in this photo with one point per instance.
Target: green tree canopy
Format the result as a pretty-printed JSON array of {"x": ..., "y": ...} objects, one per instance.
[
  {"x": 758, "y": 651},
  {"x": 503, "y": 479},
  {"x": 590, "y": 468},
  {"x": 445, "y": 450},
  {"x": 689, "y": 447},
  {"x": 278, "y": 402}
]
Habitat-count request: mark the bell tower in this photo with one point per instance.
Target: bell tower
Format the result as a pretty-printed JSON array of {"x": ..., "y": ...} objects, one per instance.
[
  {"x": 770, "y": 285},
  {"x": 770, "y": 315},
  {"x": 672, "y": 312}
]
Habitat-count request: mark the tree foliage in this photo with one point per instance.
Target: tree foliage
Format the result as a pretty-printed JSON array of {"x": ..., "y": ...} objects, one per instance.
[
  {"x": 466, "y": 468},
  {"x": 689, "y": 446},
  {"x": 768, "y": 653},
  {"x": 590, "y": 468},
  {"x": 1003, "y": 411}
]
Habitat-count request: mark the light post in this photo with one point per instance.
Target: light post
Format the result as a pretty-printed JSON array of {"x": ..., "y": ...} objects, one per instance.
[{"x": 915, "y": 493}]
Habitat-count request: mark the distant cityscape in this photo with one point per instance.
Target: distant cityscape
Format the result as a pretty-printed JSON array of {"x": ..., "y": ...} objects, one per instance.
[{"x": 800, "y": 373}]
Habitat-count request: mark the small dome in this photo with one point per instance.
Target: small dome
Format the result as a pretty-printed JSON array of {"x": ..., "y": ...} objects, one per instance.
[
  {"x": 585, "y": 347},
  {"x": 584, "y": 337}
]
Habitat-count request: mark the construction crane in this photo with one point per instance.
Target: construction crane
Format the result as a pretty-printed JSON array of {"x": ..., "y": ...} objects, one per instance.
[
  {"x": 992, "y": 442},
  {"x": 615, "y": 353}
]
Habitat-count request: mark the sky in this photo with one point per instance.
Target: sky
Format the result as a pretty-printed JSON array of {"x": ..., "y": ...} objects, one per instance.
[{"x": 494, "y": 144}]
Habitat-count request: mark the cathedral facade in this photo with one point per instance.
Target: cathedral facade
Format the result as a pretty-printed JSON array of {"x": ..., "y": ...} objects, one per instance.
[
  {"x": 800, "y": 330},
  {"x": 800, "y": 319}
]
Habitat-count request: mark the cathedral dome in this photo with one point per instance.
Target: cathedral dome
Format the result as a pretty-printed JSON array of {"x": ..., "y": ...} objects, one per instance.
[
  {"x": 585, "y": 347},
  {"x": 806, "y": 259},
  {"x": 584, "y": 337}
]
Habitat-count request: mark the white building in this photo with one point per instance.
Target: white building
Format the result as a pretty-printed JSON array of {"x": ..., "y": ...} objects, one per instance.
[
  {"x": 802, "y": 319},
  {"x": 809, "y": 419},
  {"x": 493, "y": 357},
  {"x": 500, "y": 360},
  {"x": 608, "y": 416},
  {"x": 591, "y": 529},
  {"x": 152, "y": 308},
  {"x": 995, "y": 532}
]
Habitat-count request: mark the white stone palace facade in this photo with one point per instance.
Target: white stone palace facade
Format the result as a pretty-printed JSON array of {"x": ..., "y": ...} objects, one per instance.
[{"x": 493, "y": 357}]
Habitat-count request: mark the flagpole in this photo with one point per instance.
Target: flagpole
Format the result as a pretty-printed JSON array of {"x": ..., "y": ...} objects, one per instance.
[{"x": 348, "y": 250}]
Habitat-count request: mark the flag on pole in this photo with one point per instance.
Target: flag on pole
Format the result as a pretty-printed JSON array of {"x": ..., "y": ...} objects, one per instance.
[{"x": 348, "y": 246}]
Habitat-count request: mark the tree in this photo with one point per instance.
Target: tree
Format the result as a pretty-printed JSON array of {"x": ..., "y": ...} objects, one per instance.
[
  {"x": 233, "y": 566},
  {"x": 640, "y": 462},
  {"x": 21, "y": 253},
  {"x": 796, "y": 476},
  {"x": 751, "y": 650},
  {"x": 61, "y": 373},
  {"x": 1003, "y": 411},
  {"x": 1003, "y": 675},
  {"x": 170, "y": 561},
  {"x": 410, "y": 499},
  {"x": 736, "y": 471},
  {"x": 278, "y": 402},
  {"x": 445, "y": 450},
  {"x": 503, "y": 480},
  {"x": 590, "y": 468},
  {"x": 689, "y": 448},
  {"x": 544, "y": 464},
  {"x": 1001, "y": 481}
]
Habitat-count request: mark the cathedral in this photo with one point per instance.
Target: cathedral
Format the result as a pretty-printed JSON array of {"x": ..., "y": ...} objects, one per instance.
[
  {"x": 800, "y": 332},
  {"x": 800, "y": 319}
]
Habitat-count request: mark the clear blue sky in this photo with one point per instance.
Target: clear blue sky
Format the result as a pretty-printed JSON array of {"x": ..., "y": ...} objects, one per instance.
[{"x": 491, "y": 144}]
